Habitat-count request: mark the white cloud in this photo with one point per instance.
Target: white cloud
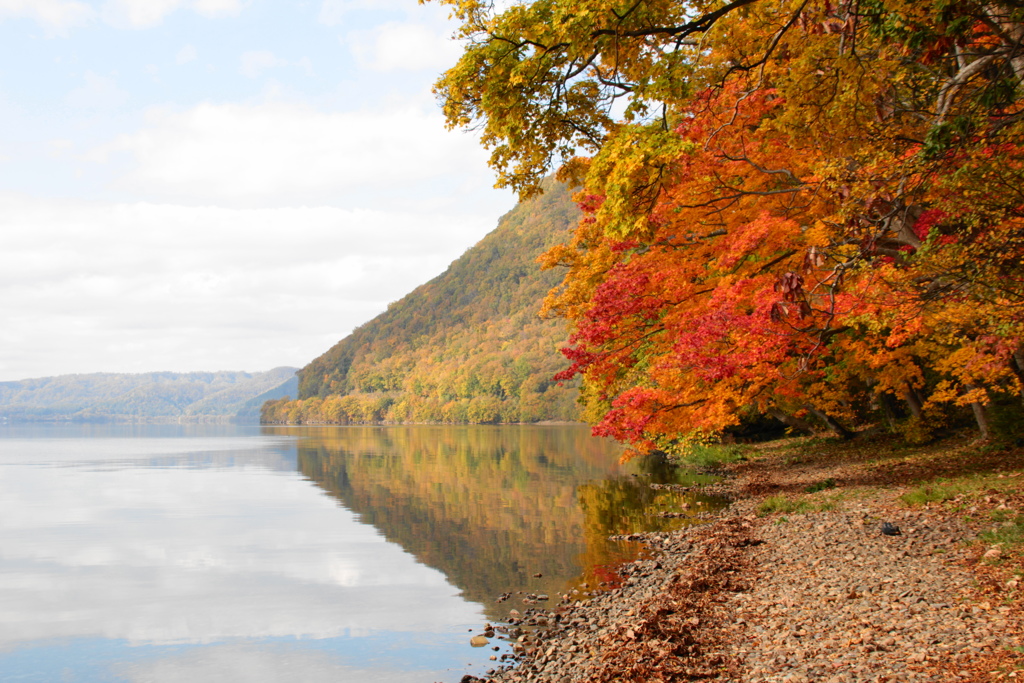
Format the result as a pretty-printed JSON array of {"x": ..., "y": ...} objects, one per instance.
[
  {"x": 406, "y": 46},
  {"x": 56, "y": 16},
  {"x": 217, "y": 8},
  {"x": 148, "y": 13},
  {"x": 186, "y": 54},
  {"x": 254, "y": 62},
  {"x": 288, "y": 153},
  {"x": 262, "y": 663},
  {"x": 332, "y": 12},
  {"x": 89, "y": 286},
  {"x": 57, "y": 147},
  {"x": 98, "y": 92},
  {"x": 94, "y": 543}
]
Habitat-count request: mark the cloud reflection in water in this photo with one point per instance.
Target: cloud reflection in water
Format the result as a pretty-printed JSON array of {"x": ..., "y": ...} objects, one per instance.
[{"x": 222, "y": 557}]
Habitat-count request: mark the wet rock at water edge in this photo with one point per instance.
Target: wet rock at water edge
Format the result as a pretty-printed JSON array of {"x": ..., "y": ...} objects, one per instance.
[{"x": 479, "y": 641}]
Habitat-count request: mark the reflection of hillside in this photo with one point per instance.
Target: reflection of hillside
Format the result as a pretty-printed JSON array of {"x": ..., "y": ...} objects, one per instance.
[{"x": 488, "y": 506}]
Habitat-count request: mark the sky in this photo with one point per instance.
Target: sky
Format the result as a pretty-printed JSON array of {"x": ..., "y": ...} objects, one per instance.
[{"x": 210, "y": 185}]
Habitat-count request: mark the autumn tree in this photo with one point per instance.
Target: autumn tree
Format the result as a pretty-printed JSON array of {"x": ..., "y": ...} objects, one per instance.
[{"x": 799, "y": 208}]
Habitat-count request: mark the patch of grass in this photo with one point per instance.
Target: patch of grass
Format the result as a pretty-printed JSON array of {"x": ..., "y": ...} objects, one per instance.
[
  {"x": 942, "y": 490},
  {"x": 829, "y": 483},
  {"x": 713, "y": 456},
  {"x": 936, "y": 492},
  {"x": 1011, "y": 533},
  {"x": 782, "y": 504},
  {"x": 995, "y": 446},
  {"x": 1000, "y": 515},
  {"x": 794, "y": 506}
]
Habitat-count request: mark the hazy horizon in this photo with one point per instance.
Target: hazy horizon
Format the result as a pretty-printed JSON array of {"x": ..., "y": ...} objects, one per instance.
[{"x": 156, "y": 372}]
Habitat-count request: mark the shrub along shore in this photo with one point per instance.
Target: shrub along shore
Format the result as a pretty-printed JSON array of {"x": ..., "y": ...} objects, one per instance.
[{"x": 797, "y": 581}]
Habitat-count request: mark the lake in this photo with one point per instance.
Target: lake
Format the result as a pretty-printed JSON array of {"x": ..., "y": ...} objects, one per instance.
[{"x": 200, "y": 553}]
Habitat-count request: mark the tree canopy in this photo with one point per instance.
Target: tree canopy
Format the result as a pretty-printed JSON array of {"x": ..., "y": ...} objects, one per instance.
[{"x": 806, "y": 208}]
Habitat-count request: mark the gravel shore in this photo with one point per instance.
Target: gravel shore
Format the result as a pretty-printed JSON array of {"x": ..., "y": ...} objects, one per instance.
[{"x": 816, "y": 594}]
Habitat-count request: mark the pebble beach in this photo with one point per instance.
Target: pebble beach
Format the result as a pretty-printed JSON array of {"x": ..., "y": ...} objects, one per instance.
[{"x": 814, "y": 591}]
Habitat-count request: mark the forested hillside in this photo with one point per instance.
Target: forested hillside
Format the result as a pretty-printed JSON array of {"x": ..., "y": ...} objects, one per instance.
[
  {"x": 150, "y": 397},
  {"x": 466, "y": 347}
]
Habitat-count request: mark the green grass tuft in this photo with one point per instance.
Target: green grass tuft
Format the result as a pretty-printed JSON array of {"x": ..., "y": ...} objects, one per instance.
[
  {"x": 829, "y": 483},
  {"x": 1009, "y": 534},
  {"x": 713, "y": 456},
  {"x": 793, "y": 506},
  {"x": 782, "y": 504},
  {"x": 936, "y": 492}
]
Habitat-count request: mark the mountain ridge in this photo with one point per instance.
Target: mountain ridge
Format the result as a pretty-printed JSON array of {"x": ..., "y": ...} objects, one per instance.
[
  {"x": 468, "y": 346},
  {"x": 132, "y": 397}
]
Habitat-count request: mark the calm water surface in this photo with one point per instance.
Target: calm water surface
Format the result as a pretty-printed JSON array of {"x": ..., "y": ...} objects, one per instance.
[{"x": 220, "y": 553}]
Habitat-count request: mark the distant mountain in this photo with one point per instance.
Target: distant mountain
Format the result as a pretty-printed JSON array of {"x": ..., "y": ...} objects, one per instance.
[
  {"x": 250, "y": 410},
  {"x": 466, "y": 347},
  {"x": 144, "y": 397}
]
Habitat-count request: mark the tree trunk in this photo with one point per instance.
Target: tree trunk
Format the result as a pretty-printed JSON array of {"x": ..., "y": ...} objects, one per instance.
[
  {"x": 980, "y": 416},
  {"x": 910, "y": 396},
  {"x": 791, "y": 421},
  {"x": 982, "y": 419},
  {"x": 889, "y": 409},
  {"x": 839, "y": 430},
  {"x": 1017, "y": 365}
]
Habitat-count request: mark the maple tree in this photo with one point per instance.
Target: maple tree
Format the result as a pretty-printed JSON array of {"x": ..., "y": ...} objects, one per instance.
[{"x": 808, "y": 208}]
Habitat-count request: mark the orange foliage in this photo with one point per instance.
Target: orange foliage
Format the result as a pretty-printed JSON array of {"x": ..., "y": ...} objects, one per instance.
[{"x": 817, "y": 237}]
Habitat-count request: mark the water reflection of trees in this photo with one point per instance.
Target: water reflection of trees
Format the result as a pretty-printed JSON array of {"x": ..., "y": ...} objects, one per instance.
[
  {"x": 490, "y": 506},
  {"x": 626, "y": 505}
]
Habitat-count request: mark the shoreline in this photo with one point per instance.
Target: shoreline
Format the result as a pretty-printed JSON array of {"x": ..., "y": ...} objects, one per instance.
[{"x": 796, "y": 582}]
